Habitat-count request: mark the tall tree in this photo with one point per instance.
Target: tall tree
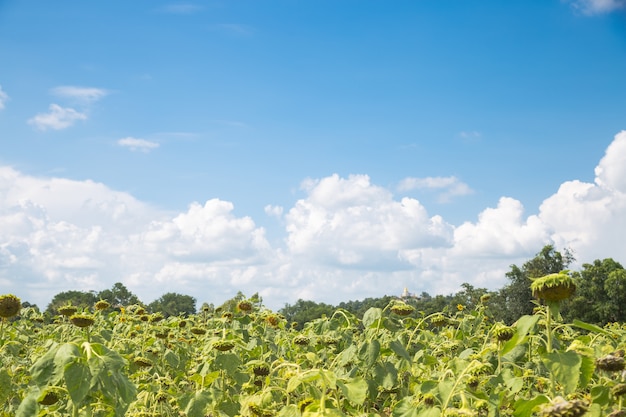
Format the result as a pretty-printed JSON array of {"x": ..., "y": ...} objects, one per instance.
[
  {"x": 80, "y": 299},
  {"x": 173, "y": 304},
  {"x": 516, "y": 297},
  {"x": 119, "y": 296},
  {"x": 600, "y": 293}
]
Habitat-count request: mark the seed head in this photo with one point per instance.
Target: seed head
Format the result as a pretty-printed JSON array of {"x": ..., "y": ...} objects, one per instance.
[
  {"x": 82, "y": 320},
  {"x": 10, "y": 305},
  {"x": 50, "y": 396},
  {"x": 562, "y": 408},
  {"x": 553, "y": 287},
  {"x": 142, "y": 362},
  {"x": 619, "y": 390},
  {"x": 503, "y": 333},
  {"x": 197, "y": 331},
  {"x": 244, "y": 306},
  {"x": 261, "y": 370},
  {"x": 402, "y": 309},
  {"x": 301, "y": 340},
  {"x": 223, "y": 345},
  {"x": 67, "y": 310},
  {"x": 102, "y": 305},
  {"x": 610, "y": 363}
]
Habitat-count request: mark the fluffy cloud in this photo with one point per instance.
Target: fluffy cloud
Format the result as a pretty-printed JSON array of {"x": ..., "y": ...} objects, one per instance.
[
  {"x": 56, "y": 118},
  {"x": 352, "y": 223},
  {"x": 135, "y": 144},
  {"x": 4, "y": 97},
  {"x": 598, "y": 6},
  {"x": 346, "y": 238}
]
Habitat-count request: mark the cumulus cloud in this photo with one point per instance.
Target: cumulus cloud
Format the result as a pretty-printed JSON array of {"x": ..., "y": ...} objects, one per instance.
[
  {"x": 135, "y": 144},
  {"x": 592, "y": 7},
  {"x": 81, "y": 94},
  {"x": 353, "y": 223},
  {"x": 56, "y": 118},
  {"x": 346, "y": 238},
  {"x": 4, "y": 97},
  {"x": 451, "y": 186}
]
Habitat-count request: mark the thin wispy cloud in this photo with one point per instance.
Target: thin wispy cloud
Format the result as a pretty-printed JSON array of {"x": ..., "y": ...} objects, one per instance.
[
  {"x": 56, "y": 118},
  {"x": 233, "y": 29},
  {"x": 84, "y": 95},
  {"x": 181, "y": 8},
  {"x": 4, "y": 97},
  {"x": 593, "y": 7},
  {"x": 450, "y": 187},
  {"x": 135, "y": 144}
]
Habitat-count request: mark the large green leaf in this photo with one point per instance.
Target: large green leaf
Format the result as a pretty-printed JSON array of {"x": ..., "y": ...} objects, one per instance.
[
  {"x": 565, "y": 367},
  {"x": 523, "y": 326},
  {"x": 371, "y": 317},
  {"x": 197, "y": 403},
  {"x": 355, "y": 390},
  {"x": 399, "y": 350},
  {"x": 369, "y": 352},
  {"x": 228, "y": 362},
  {"x": 29, "y": 406},
  {"x": 405, "y": 408},
  {"x": 77, "y": 377},
  {"x": 524, "y": 408}
]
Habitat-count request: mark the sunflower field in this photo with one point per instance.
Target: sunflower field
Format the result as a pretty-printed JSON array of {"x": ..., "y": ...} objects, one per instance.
[{"x": 393, "y": 362}]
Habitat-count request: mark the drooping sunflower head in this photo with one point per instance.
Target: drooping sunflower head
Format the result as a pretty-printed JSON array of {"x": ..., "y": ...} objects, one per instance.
[
  {"x": 82, "y": 320},
  {"x": 402, "y": 309},
  {"x": 223, "y": 345},
  {"x": 50, "y": 396},
  {"x": 244, "y": 306},
  {"x": 102, "y": 305},
  {"x": 10, "y": 305},
  {"x": 503, "y": 332},
  {"x": 67, "y": 310},
  {"x": 553, "y": 287},
  {"x": 560, "y": 407}
]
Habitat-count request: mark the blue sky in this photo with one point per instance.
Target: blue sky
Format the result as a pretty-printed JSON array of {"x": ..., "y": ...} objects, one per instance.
[{"x": 312, "y": 128}]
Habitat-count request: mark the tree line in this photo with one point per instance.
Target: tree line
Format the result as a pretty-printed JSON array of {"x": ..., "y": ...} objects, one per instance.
[{"x": 600, "y": 296}]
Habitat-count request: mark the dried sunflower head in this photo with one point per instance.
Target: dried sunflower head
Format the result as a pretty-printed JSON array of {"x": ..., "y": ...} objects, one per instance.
[
  {"x": 553, "y": 287},
  {"x": 261, "y": 370},
  {"x": 503, "y": 333},
  {"x": 402, "y": 309},
  {"x": 223, "y": 345},
  {"x": 82, "y": 320},
  {"x": 142, "y": 362},
  {"x": 10, "y": 305},
  {"x": 102, "y": 305},
  {"x": 50, "y": 396},
  {"x": 244, "y": 305},
  {"x": 197, "y": 331},
  {"x": 439, "y": 320},
  {"x": 611, "y": 363},
  {"x": 301, "y": 340},
  {"x": 560, "y": 407},
  {"x": 67, "y": 310}
]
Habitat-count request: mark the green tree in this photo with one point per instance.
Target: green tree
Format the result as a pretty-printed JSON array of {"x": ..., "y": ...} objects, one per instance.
[
  {"x": 174, "y": 304},
  {"x": 600, "y": 293},
  {"x": 119, "y": 296},
  {"x": 80, "y": 299},
  {"x": 515, "y": 299},
  {"x": 305, "y": 311}
]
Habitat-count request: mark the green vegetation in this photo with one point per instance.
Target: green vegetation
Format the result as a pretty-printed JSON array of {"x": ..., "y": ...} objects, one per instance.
[{"x": 424, "y": 356}]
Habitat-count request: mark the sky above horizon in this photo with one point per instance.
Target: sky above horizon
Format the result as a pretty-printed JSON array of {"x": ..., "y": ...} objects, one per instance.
[{"x": 320, "y": 150}]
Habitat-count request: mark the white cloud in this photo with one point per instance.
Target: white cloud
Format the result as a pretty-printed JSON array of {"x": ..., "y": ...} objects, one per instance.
[
  {"x": 346, "y": 238},
  {"x": 57, "y": 118},
  {"x": 181, "y": 8},
  {"x": 4, "y": 97},
  {"x": 451, "y": 186},
  {"x": 82, "y": 94},
  {"x": 592, "y": 7},
  {"x": 274, "y": 211},
  {"x": 135, "y": 144}
]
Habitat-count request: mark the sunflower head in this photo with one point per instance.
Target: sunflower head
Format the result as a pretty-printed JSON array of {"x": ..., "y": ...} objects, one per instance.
[
  {"x": 223, "y": 345},
  {"x": 553, "y": 287},
  {"x": 244, "y": 306},
  {"x": 610, "y": 363},
  {"x": 503, "y": 333},
  {"x": 67, "y": 310},
  {"x": 560, "y": 407},
  {"x": 82, "y": 320},
  {"x": 10, "y": 305},
  {"x": 402, "y": 309},
  {"x": 102, "y": 305},
  {"x": 50, "y": 396}
]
